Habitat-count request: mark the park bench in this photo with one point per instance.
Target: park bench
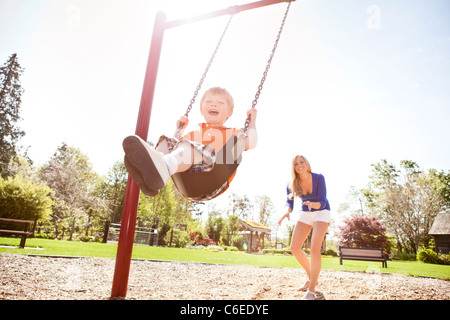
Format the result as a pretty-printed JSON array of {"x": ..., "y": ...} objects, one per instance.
[
  {"x": 366, "y": 254},
  {"x": 23, "y": 234}
]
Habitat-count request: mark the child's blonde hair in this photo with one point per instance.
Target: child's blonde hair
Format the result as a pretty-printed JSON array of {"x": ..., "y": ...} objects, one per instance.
[
  {"x": 222, "y": 91},
  {"x": 294, "y": 184}
]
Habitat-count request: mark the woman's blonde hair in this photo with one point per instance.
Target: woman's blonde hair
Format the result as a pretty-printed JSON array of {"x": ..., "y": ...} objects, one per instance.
[
  {"x": 294, "y": 184},
  {"x": 222, "y": 91}
]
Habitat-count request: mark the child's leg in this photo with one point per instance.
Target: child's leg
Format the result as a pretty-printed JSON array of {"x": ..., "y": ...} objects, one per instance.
[
  {"x": 182, "y": 158},
  {"x": 151, "y": 168}
]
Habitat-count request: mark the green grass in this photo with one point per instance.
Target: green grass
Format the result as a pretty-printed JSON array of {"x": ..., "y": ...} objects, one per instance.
[{"x": 74, "y": 248}]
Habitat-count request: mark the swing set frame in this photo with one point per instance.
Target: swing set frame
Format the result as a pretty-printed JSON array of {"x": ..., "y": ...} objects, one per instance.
[{"x": 129, "y": 215}]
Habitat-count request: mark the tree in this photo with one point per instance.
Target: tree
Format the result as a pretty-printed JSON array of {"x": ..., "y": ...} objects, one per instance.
[
  {"x": 363, "y": 232},
  {"x": 10, "y": 100},
  {"x": 265, "y": 207},
  {"x": 215, "y": 225},
  {"x": 112, "y": 189},
  {"x": 70, "y": 174},
  {"x": 241, "y": 206},
  {"x": 407, "y": 201},
  {"x": 167, "y": 206}
]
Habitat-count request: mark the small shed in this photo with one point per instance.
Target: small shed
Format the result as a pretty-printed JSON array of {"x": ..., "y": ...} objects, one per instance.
[
  {"x": 440, "y": 230},
  {"x": 257, "y": 233}
]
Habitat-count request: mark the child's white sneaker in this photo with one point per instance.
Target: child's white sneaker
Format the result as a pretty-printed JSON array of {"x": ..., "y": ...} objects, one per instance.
[{"x": 145, "y": 164}]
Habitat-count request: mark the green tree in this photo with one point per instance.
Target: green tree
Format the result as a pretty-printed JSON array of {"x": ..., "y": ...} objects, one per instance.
[
  {"x": 69, "y": 173},
  {"x": 168, "y": 207},
  {"x": 10, "y": 101},
  {"x": 215, "y": 225},
  {"x": 406, "y": 201},
  {"x": 112, "y": 190}
]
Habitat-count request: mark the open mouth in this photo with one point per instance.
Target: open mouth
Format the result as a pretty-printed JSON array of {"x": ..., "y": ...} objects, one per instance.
[{"x": 213, "y": 112}]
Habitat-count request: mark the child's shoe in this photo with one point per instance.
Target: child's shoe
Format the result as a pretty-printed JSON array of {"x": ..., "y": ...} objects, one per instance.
[
  {"x": 146, "y": 166},
  {"x": 137, "y": 177}
]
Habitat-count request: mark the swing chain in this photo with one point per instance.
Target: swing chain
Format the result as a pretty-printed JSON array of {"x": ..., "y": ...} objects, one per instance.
[
  {"x": 269, "y": 62},
  {"x": 202, "y": 79}
]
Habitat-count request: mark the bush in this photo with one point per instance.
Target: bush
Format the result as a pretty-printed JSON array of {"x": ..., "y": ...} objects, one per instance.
[
  {"x": 27, "y": 200},
  {"x": 50, "y": 236},
  {"x": 331, "y": 252},
  {"x": 429, "y": 256},
  {"x": 277, "y": 251},
  {"x": 180, "y": 239},
  {"x": 230, "y": 248},
  {"x": 86, "y": 239},
  {"x": 406, "y": 256}
]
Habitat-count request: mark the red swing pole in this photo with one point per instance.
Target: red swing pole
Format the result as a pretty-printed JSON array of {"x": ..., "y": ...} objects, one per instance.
[
  {"x": 129, "y": 214},
  {"x": 128, "y": 225}
]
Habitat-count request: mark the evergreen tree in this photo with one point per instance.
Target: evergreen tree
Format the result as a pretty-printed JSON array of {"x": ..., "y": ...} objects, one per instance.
[{"x": 10, "y": 100}]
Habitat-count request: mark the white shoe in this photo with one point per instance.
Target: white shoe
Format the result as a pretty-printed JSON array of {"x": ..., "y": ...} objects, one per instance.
[{"x": 309, "y": 295}]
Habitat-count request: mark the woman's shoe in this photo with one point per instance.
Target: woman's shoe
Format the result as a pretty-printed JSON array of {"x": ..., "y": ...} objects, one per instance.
[{"x": 309, "y": 295}]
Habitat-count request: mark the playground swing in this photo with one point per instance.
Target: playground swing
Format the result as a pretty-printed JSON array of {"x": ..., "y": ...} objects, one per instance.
[{"x": 199, "y": 186}]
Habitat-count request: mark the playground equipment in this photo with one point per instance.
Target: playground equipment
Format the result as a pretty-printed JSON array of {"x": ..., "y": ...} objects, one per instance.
[{"x": 128, "y": 225}]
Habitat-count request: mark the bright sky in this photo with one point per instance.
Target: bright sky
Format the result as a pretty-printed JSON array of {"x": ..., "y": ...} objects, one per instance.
[{"x": 353, "y": 81}]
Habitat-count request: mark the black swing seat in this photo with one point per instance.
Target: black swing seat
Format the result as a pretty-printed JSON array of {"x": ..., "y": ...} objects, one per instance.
[{"x": 199, "y": 186}]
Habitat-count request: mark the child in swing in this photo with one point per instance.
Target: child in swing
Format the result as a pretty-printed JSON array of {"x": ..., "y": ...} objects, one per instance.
[{"x": 194, "y": 152}]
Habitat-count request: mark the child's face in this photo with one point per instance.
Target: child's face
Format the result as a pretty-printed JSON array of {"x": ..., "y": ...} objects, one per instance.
[{"x": 215, "y": 109}]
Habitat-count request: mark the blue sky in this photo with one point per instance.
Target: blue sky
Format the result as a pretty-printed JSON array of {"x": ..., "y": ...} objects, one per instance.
[{"x": 353, "y": 81}]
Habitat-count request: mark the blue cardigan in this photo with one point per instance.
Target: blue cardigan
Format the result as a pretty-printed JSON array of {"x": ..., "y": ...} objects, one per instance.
[{"x": 318, "y": 194}]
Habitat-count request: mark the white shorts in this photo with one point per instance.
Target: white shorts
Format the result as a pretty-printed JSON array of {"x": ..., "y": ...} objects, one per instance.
[{"x": 309, "y": 217}]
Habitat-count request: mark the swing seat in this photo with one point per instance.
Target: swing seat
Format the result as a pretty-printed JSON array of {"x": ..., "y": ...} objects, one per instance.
[{"x": 199, "y": 186}]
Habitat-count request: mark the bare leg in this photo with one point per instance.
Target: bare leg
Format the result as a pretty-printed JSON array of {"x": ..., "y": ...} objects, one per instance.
[
  {"x": 318, "y": 234},
  {"x": 299, "y": 236}
]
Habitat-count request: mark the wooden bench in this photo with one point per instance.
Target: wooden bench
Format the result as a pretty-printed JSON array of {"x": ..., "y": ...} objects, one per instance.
[
  {"x": 24, "y": 234},
  {"x": 366, "y": 254}
]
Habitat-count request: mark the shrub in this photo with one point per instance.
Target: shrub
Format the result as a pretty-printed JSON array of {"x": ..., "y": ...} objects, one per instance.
[
  {"x": 50, "y": 236},
  {"x": 230, "y": 248},
  {"x": 406, "y": 256},
  {"x": 180, "y": 239},
  {"x": 86, "y": 239},
  {"x": 27, "y": 200},
  {"x": 331, "y": 252},
  {"x": 429, "y": 256},
  {"x": 278, "y": 251}
]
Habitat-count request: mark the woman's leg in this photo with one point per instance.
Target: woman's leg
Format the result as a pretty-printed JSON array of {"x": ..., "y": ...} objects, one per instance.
[
  {"x": 319, "y": 230},
  {"x": 301, "y": 232}
]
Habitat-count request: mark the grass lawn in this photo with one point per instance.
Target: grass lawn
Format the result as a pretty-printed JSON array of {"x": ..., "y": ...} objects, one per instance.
[{"x": 73, "y": 248}]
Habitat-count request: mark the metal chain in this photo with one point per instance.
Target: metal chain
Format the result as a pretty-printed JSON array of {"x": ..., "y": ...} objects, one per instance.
[
  {"x": 269, "y": 62},
  {"x": 202, "y": 79}
]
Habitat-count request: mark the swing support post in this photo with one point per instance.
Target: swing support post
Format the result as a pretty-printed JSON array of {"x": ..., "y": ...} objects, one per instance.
[{"x": 129, "y": 214}]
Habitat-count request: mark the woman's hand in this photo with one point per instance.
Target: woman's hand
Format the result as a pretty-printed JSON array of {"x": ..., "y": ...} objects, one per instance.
[
  {"x": 287, "y": 215},
  {"x": 312, "y": 205}
]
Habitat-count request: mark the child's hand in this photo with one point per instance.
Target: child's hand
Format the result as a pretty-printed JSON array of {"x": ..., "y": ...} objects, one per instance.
[
  {"x": 252, "y": 113},
  {"x": 182, "y": 123}
]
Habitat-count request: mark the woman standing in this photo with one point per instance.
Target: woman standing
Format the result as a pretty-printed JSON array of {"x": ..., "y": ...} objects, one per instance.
[{"x": 315, "y": 215}]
